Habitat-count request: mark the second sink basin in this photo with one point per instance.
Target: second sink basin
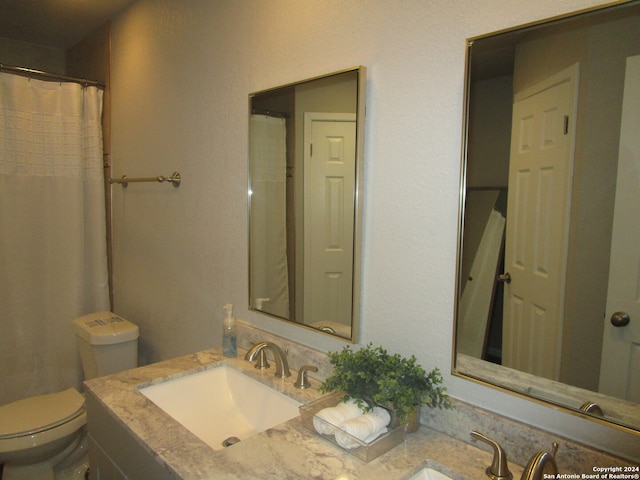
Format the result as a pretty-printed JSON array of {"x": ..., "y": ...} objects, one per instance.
[
  {"x": 429, "y": 473},
  {"x": 221, "y": 403}
]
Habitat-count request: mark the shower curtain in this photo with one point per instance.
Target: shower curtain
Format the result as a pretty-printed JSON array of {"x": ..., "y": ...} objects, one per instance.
[
  {"x": 268, "y": 232},
  {"x": 53, "y": 264}
]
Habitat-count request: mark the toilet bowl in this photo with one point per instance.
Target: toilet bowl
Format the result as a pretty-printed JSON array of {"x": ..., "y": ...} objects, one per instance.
[
  {"x": 39, "y": 433},
  {"x": 36, "y": 430}
]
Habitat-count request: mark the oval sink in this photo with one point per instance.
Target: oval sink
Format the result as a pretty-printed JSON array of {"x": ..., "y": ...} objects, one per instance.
[{"x": 221, "y": 403}]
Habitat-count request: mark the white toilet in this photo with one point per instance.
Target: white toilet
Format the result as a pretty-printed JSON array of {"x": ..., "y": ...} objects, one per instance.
[{"x": 39, "y": 433}]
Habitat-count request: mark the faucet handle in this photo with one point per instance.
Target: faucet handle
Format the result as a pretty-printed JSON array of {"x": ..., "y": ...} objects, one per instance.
[
  {"x": 499, "y": 468},
  {"x": 303, "y": 381}
]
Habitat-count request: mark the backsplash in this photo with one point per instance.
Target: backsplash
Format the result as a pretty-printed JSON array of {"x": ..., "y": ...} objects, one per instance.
[
  {"x": 297, "y": 354},
  {"x": 519, "y": 440}
]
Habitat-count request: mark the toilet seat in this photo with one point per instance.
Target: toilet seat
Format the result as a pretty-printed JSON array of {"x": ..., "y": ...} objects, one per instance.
[{"x": 33, "y": 415}]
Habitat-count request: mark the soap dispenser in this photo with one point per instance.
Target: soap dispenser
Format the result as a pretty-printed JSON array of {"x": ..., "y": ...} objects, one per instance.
[{"x": 229, "y": 343}]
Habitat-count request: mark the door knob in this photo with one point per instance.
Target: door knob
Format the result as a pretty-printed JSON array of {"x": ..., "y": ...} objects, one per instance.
[
  {"x": 505, "y": 278},
  {"x": 620, "y": 319}
]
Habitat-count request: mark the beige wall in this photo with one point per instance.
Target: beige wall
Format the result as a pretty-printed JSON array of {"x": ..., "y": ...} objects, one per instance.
[
  {"x": 38, "y": 57},
  {"x": 181, "y": 75},
  {"x": 490, "y": 133}
]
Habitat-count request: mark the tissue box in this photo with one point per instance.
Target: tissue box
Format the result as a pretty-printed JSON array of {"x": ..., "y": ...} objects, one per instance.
[{"x": 363, "y": 451}]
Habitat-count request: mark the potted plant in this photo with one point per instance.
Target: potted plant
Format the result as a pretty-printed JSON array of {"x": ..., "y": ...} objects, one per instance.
[{"x": 372, "y": 375}]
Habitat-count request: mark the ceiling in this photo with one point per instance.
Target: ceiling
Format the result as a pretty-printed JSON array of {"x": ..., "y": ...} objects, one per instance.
[{"x": 55, "y": 23}]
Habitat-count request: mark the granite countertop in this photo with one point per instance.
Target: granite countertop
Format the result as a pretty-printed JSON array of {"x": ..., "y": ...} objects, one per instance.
[{"x": 285, "y": 451}]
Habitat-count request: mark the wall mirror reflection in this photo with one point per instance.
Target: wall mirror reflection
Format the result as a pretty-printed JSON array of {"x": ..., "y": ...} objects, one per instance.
[
  {"x": 549, "y": 265},
  {"x": 305, "y": 172}
]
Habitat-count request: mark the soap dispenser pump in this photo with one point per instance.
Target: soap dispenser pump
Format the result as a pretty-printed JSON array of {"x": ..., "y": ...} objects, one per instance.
[{"x": 229, "y": 339}]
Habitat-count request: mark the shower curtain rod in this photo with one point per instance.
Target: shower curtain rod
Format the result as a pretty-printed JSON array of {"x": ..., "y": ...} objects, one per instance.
[{"x": 51, "y": 76}]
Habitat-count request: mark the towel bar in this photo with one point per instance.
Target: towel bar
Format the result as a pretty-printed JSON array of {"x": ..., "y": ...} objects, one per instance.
[{"x": 124, "y": 180}]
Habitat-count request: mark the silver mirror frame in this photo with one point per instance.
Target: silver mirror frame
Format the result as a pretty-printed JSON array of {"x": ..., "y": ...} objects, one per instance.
[
  {"x": 484, "y": 379},
  {"x": 357, "y": 205}
]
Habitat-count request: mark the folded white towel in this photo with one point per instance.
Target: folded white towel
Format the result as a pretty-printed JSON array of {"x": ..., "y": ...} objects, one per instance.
[
  {"x": 335, "y": 416},
  {"x": 366, "y": 428}
]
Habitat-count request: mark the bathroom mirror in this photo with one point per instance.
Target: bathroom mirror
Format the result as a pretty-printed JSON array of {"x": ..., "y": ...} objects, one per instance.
[
  {"x": 548, "y": 291},
  {"x": 305, "y": 191}
]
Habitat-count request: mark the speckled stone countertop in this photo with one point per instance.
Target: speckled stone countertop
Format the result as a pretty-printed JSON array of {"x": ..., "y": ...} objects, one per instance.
[{"x": 287, "y": 451}]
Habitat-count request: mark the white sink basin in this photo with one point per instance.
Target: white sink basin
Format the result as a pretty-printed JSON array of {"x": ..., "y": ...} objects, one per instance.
[
  {"x": 220, "y": 403},
  {"x": 429, "y": 473}
]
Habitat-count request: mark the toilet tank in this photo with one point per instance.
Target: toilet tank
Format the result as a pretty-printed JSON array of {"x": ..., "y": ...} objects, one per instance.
[{"x": 107, "y": 343}]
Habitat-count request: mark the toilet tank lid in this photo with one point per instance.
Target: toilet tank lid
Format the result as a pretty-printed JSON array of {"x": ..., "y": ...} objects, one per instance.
[
  {"x": 105, "y": 328},
  {"x": 35, "y": 414}
]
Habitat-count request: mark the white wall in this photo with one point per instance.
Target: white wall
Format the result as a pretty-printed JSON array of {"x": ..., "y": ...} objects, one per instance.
[{"x": 181, "y": 75}]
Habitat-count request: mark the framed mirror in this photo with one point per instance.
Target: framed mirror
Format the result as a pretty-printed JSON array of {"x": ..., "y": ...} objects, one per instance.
[
  {"x": 305, "y": 191},
  {"x": 548, "y": 294}
]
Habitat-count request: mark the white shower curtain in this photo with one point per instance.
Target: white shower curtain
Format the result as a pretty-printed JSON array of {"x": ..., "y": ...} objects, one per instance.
[
  {"x": 53, "y": 264},
  {"x": 269, "y": 267}
]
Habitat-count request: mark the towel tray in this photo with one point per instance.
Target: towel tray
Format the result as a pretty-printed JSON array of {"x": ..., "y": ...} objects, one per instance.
[{"x": 363, "y": 451}]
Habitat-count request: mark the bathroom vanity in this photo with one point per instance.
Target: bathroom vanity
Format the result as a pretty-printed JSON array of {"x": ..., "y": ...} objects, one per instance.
[{"x": 132, "y": 438}]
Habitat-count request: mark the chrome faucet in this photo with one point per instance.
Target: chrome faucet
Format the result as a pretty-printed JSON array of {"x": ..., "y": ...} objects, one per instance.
[
  {"x": 282, "y": 365},
  {"x": 540, "y": 464}
]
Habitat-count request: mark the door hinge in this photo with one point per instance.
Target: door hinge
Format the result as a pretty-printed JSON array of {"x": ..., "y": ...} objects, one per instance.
[
  {"x": 311, "y": 149},
  {"x": 566, "y": 124}
]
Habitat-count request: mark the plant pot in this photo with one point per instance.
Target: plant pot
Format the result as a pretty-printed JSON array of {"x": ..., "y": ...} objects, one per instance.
[{"x": 413, "y": 421}]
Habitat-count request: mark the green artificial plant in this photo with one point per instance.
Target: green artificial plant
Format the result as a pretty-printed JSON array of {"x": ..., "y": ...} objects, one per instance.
[{"x": 372, "y": 375}]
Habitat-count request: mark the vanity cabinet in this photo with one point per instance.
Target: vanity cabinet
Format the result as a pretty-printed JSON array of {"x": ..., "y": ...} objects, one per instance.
[
  {"x": 114, "y": 454},
  {"x": 102, "y": 466}
]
